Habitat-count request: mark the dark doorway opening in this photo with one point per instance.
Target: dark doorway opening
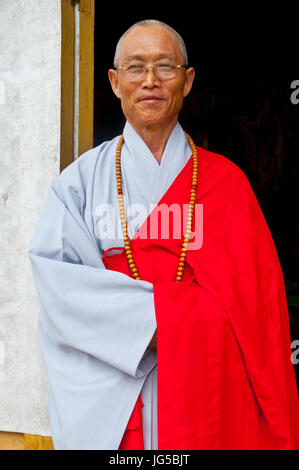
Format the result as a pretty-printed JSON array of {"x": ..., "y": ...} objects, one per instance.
[{"x": 239, "y": 106}]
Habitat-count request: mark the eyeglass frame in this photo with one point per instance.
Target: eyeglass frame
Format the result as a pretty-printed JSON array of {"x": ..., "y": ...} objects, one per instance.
[{"x": 177, "y": 67}]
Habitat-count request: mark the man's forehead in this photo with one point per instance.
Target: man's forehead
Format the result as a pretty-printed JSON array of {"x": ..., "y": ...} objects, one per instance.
[
  {"x": 153, "y": 40},
  {"x": 143, "y": 56}
]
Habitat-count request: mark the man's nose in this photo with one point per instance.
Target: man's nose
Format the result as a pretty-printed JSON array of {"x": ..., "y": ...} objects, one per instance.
[{"x": 150, "y": 78}]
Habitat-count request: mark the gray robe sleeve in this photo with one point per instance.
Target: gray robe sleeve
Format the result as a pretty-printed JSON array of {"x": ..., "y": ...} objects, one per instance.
[{"x": 84, "y": 306}]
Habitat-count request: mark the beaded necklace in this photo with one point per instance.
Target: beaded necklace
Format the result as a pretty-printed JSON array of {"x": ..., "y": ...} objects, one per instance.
[{"x": 187, "y": 234}]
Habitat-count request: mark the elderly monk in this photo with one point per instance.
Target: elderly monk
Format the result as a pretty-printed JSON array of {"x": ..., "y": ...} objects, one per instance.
[{"x": 163, "y": 319}]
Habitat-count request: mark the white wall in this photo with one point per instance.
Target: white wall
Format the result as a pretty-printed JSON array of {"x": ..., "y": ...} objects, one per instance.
[{"x": 30, "y": 41}]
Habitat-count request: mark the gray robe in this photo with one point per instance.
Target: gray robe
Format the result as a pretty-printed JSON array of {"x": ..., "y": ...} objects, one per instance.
[{"x": 95, "y": 324}]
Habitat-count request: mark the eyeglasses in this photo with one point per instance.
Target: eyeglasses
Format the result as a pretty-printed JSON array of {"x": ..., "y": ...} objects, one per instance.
[{"x": 135, "y": 73}]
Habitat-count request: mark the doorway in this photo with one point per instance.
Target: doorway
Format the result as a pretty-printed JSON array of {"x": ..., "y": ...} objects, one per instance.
[{"x": 240, "y": 105}]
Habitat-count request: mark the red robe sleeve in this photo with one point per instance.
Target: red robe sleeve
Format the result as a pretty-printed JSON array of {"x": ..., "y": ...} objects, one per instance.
[{"x": 226, "y": 332}]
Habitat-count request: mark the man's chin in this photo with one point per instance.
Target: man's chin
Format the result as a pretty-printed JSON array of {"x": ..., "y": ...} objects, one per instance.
[{"x": 153, "y": 119}]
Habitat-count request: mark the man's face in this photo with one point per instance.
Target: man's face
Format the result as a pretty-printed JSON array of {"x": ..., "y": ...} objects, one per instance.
[{"x": 151, "y": 102}]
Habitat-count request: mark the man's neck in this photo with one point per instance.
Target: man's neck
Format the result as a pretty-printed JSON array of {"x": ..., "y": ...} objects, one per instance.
[{"x": 155, "y": 137}]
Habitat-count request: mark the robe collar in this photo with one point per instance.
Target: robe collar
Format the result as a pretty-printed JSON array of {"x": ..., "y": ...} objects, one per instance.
[{"x": 153, "y": 179}]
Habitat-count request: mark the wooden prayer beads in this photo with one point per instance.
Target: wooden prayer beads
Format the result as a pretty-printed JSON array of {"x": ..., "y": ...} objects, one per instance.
[{"x": 190, "y": 215}]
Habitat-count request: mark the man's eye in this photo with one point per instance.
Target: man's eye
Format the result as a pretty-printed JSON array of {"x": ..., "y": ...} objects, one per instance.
[
  {"x": 135, "y": 68},
  {"x": 165, "y": 67}
]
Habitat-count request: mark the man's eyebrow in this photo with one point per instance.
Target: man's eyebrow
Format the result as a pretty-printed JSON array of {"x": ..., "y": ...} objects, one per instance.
[
  {"x": 142, "y": 57},
  {"x": 133, "y": 57},
  {"x": 166, "y": 56}
]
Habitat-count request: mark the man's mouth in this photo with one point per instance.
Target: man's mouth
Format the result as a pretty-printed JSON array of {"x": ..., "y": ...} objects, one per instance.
[{"x": 150, "y": 99}]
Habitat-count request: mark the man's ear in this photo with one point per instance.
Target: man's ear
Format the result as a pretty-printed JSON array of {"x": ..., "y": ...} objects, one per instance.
[
  {"x": 113, "y": 78},
  {"x": 190, "y": 74}
]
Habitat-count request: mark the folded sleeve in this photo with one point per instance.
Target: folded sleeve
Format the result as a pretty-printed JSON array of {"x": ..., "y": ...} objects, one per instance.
[{"x": 86, "y": 307}]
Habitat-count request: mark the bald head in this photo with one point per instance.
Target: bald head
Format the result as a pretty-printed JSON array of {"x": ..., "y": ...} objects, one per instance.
[
  {"x": 151, "y": 99},
  {"x": 147, "y": 23}
]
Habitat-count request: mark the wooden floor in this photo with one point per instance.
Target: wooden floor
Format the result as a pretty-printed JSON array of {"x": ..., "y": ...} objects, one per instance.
[{"x": 19, "y": 441}]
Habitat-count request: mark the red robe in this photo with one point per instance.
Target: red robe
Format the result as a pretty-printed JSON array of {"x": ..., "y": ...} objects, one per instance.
[{"x": 224, "y": 371}]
